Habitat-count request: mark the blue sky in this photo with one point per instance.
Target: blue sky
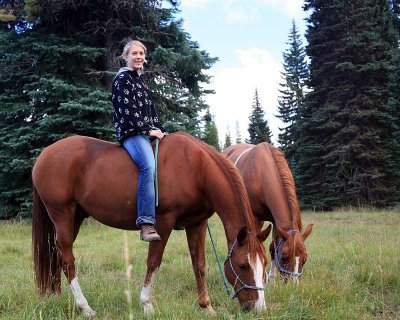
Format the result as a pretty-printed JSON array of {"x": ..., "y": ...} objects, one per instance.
[{"x": 248, "y": 37}]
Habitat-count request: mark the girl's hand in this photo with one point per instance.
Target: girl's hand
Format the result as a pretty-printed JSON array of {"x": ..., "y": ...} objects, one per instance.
[{"x": 157, "y": 133}]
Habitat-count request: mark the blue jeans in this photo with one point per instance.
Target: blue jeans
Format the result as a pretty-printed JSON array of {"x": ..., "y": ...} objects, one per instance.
[{"x": 140, "y": 150}]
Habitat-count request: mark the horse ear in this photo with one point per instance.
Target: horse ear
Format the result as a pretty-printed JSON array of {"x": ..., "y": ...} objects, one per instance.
[
  {"x": 242, "y": 235},
  {"x": 282, "y": 233},
  {"x": 308, "y": 231},
  {"x": 263, "y": 235}
]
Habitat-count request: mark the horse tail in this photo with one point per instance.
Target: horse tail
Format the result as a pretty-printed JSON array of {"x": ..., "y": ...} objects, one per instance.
[{"x": 45, "y": 261}]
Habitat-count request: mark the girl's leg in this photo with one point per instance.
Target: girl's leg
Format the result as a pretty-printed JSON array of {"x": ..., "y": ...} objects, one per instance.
[{"x": 141, "y": 152}]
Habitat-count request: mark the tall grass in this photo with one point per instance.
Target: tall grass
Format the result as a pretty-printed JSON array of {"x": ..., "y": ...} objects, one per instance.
[{"x": 352, "y": 273}]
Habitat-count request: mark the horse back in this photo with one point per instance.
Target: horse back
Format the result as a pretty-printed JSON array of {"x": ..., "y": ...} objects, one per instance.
[{"x": 71, "y": 167}]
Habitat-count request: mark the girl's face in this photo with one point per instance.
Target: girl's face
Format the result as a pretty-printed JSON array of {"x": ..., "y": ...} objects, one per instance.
[{"x": 135, "y": 58}]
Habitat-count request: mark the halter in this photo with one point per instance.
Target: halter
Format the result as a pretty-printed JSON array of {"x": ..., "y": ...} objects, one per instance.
[
  {"x": 244, "y": 285},
  {"x": 280, "y": 268},
  {"x": 229, "y": 258}
]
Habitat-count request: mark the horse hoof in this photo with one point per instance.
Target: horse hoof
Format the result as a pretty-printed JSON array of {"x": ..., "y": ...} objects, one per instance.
[
  {"x": 210, "y": 310},
  {"x": 148, "y": 308},
  {"x": 89, "y": 312},
  {"x": 271, "y": 279}
]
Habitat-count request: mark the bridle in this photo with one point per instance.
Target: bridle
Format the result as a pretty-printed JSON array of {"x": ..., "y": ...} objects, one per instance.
[
  {"x": 244, "y": 285},
  {"x": 276, "y": 256}
]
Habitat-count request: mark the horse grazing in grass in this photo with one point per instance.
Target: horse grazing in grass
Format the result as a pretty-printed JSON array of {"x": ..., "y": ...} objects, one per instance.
[
  {"x": 272, "y": 194},
  {"x": 80, "y": 176}
]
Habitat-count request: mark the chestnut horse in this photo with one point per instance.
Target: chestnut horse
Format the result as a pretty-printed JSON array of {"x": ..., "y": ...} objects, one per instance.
[
  {"x": 78, "y": 177},
  {"x": 272, "y": 194}
]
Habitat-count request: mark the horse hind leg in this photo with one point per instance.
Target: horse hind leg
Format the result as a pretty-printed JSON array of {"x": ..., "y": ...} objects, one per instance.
[
  {"x": 67, "y": 226},
  {"x": 196, "y": 241}
]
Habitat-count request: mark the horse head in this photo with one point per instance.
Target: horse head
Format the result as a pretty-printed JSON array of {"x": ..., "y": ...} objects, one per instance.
[
  {"x": 245, "y": 268},
  {"x": 290, "y": 253}
]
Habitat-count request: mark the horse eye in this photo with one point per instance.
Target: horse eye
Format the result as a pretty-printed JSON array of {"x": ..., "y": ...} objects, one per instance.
[{"x": 243, "y": 267}]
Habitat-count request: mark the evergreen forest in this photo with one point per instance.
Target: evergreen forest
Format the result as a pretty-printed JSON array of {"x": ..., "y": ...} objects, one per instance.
[{"x": 341, "y": 110}]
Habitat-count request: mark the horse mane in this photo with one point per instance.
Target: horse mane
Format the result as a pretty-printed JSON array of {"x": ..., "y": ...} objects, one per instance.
[
  {"x": 288, "y": 184},
  {"x": 236, "y": 180}
]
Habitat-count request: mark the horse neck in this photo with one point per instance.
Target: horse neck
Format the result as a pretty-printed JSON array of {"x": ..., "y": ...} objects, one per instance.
[
  {"x": 225, "y": 191},
  {"x": 233, "y": 208},
  {"x": 280, "y": 194},
  {"x": 229, "y": 198}
]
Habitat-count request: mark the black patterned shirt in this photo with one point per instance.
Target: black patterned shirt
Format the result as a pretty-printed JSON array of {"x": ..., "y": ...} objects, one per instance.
[{"x": 134, "y": 110}]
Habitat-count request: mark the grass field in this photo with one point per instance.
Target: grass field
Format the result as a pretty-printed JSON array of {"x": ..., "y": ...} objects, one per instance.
[{"x": 353, "y": 272}]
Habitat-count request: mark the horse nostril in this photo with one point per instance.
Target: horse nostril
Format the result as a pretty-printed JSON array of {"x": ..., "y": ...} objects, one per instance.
[{"x": 245, "y": 309}]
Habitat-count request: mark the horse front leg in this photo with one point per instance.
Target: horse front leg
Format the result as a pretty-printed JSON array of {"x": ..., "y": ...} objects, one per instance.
[
  {"x": 154, "y": 257},
  {"x": 273, "y": 270},
  {"x": 196, "y": 240}
]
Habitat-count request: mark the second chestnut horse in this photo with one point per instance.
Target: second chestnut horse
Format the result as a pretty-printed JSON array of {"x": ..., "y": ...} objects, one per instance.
[{"x": 272, "y": 194}]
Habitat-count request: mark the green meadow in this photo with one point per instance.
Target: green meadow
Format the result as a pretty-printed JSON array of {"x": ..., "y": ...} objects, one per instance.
[{"x": 353, "y": 272}]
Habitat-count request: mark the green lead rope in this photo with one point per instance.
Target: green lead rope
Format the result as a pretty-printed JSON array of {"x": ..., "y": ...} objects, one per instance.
[{"x": 228, "y": 291}]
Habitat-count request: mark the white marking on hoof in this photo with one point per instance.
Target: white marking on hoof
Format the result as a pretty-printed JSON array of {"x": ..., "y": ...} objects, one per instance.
[
  {"x": 80, "y": 299},
  {"x": 146, "y": 297},
  {"x": 148, "y": 308},
  {"x": 88, "y": 312}
]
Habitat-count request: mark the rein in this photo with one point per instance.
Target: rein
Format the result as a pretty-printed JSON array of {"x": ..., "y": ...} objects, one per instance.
[
  {"x": 276, "y": 256},
  {"x": 229, "y": 258}
]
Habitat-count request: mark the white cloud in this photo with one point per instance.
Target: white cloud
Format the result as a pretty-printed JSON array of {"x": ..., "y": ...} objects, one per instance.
[
  {"x": 241, "y": 15},
  {"x": 235, "y": 87},
  {"x": 293, "y": 8},
  {"x": 194, "y": 3}
]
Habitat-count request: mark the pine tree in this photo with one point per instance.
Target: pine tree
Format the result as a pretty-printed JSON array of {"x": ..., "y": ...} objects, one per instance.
[
  {"x": 238, "y": 135},
  {"x": 57, "y": 61},
  {"x": 228, "y": 138},
  {"x": 346, "y": 145},
  {"x": 394, "y": 91},
  {"x": 292, "y": 92},
  {"x": 41, "y": 104},
  {"x": 258, "y": 127},
  {"x": 210, "y": 135}
]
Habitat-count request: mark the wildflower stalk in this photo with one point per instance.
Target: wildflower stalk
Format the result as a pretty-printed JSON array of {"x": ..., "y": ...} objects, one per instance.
[{"x": 128, "y": 291}]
